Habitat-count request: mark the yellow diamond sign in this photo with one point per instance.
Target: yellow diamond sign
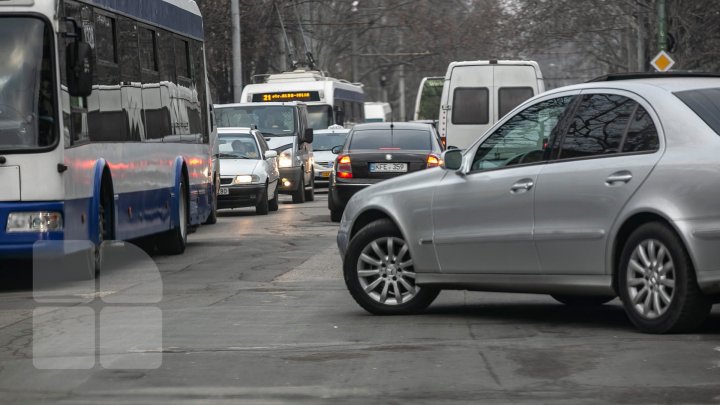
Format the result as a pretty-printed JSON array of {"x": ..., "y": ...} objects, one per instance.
[{"x": 662, "y": 62}]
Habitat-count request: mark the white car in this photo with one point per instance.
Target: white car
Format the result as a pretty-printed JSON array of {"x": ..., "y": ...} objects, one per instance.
[
  {"x": 323, "y": 143},
  {"x": 249, "y": 173}
]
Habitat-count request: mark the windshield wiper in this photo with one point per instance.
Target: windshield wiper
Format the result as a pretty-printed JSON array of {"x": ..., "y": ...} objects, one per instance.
[{"x": 231, "y": 156}]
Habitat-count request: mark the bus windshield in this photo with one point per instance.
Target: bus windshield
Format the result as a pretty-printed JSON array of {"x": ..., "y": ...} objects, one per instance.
[
  {"x": 428, "y": 107},
  {"x": 27, "y": 106},
  {"x": 271, "y": 120},
  {"x": 320, "y": 116}
]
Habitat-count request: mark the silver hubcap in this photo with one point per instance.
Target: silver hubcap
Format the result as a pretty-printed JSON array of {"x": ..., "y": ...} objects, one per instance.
[
  {"x": 651, "y": 279},
  {"x": 386, "y": 273}
]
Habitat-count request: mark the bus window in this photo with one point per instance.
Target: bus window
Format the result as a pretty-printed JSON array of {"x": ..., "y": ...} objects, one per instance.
[{"x": 320, "y": 116}]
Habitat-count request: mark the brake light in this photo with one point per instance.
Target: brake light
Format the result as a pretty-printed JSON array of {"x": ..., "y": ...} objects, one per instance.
[
  {"x": 344, "y": 168},
  {"x": 433, "y": 161}
]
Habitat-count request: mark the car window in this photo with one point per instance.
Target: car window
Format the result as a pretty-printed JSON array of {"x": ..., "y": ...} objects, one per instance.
[
  {"x": 705, "y": 103},
  {"x": 598, "y": 126},
  {"x": 523, "y": 138},
  {"x": 409, "y": 139},
  {"x": 511, "y": 97},
  {"x": 642, "y": 135},
  {"x": 327, "y": 141},
  {"x": 471, "y": 106}
]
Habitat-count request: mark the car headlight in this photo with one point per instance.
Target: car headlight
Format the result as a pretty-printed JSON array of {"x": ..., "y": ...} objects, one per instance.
[
  {"x": 34, "y": 222},
  {"x": 286, "y": 158},
  {"x": 246, "y": 179}
]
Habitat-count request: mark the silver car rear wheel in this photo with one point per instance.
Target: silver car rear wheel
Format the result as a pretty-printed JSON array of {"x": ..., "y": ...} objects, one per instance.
[
  {"x": 385, "y": 271},
  {"x": 651, "y": 279}
]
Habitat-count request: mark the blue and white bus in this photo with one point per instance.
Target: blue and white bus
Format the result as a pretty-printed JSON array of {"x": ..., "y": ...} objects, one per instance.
[{"x": 112, "y": 145}]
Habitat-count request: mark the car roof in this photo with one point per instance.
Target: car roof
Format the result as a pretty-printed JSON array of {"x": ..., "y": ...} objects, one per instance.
[
  {"x": 669, "y": 84},
  {"x": 235, "y": 130},
  {"x": 393, "y": 125},
  {"x": 331, "y": 131}
]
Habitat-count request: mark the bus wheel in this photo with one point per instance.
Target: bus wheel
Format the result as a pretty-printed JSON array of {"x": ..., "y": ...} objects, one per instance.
[{"x": 174, "y": 241}]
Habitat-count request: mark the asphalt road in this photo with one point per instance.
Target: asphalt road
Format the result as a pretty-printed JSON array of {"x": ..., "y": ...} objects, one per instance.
[{"x": 256, "y": 311}]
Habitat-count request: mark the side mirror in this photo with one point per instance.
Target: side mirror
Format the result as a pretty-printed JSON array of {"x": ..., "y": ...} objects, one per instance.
[
  {"x": 336, "y": 150},
  {"x": 452, "y": 159},
  {"x": 79, "y": 69},
  {"x": 271, "y": 154},
  {"x": 339, "y": 116},
  {"x": 308, "y": 136}
]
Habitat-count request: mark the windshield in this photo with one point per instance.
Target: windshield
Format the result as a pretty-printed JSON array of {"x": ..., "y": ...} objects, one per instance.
[
  {"x": 270, "y": 120},
  {"x": 323, "y": 141},
  {"x": 320, "y": 116},
  {"x": 408, "y": 139},
  {"x": 238, "y": 146},
  {"x": 27, "y": 107}
]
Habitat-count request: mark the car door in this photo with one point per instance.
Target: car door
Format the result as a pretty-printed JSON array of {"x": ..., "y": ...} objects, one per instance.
[
  {"x": 483, "y": 215},
  {"x": 610, "y": 146}
]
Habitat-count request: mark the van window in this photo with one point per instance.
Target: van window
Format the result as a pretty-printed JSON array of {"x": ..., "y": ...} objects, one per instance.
[
  {"x": 511, "y": 97},
  {"x": 471, "y": 106},
  {"x": 598, "y": 127}
]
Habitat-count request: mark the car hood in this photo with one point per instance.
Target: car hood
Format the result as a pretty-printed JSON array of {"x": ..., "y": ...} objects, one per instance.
[
  {"x": 324, "y": 156},
  {"x": 275, "y": 142},
  {"x": 236, "y": 167}
]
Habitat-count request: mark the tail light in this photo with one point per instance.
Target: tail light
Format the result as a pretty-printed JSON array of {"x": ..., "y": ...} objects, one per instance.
[
  {"x": 443, "y": 140},
  {"x": 344, "y": 168},
  {"x": 433, "y": 161}
]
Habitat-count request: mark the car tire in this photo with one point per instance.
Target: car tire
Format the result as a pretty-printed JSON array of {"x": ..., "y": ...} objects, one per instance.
[
  {"x": 274, "y": 204},
  {"x": 657, "y": 282},
  {"x": 582, "y": 300},
  {"x": 336, "y": 216},
  {"x": 298, "y": 196},
  {"x": 263, "y": 206},
  {"x": 310, "y": 194},
  {"x": 174, "y": 241},
  {"x": 378, "y": 270}
]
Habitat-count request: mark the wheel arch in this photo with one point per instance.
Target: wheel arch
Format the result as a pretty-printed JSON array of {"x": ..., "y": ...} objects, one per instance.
[
  {"x": 629, "y": 225},
  {"x": 371, "y": 215}
]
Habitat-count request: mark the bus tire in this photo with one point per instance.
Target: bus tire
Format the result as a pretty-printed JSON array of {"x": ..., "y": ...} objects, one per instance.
[{"x": 174, "y": 241}]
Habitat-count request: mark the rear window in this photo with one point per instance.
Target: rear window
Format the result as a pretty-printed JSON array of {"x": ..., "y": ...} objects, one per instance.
[
  {"x": 409, "y": 139},
  {"x": 511, "y": 97},
  {"x": 471, "y": 106},
  {"x": 705, "y": 103}
]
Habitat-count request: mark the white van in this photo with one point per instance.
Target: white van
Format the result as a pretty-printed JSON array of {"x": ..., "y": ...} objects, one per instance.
[
  {"x": 477, "y": 94},
  {"x": 378, "y": 112}
]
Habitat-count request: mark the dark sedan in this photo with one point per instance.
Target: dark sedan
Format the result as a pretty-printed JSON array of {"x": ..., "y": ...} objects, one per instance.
[{"x": 376, "y": 152}]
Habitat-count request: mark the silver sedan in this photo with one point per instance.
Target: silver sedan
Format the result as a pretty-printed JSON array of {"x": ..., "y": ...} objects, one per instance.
[{"x": 585, "y": 193}]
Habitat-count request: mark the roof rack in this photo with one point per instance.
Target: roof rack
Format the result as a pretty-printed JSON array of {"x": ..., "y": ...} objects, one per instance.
[{"x": 650, "y": 75}]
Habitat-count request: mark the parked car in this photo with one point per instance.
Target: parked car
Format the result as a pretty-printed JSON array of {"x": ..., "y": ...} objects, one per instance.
[
  {"x": 376, "y": 152},
  {"x": 324, "y": 159},
  {"x": 249, "y": 174},
  {"x": 286, "y": 130},
  {"x": 586, "y": 193}
]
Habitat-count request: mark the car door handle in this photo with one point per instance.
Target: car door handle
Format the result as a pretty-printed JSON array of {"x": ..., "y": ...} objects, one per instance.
[
  {"x": 522, "y": 186},
  {"x": 619, "y": 177}
]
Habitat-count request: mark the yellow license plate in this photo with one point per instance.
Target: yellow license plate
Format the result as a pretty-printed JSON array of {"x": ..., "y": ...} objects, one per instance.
[{"x": 325, "y": 174}]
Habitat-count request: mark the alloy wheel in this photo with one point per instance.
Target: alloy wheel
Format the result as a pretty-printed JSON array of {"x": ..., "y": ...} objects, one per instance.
[
  {"x": 386, "y": 273},
  {"x": 651, "y": 279}
]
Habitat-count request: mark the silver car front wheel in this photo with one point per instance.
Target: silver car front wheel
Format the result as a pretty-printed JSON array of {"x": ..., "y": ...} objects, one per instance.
[
  {"x": 385, "y": 271},
  {"x": 380, "y": 273}
]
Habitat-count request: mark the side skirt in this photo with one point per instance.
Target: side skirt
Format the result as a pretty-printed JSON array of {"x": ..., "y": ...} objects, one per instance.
[{"x": 520, "y": 283}]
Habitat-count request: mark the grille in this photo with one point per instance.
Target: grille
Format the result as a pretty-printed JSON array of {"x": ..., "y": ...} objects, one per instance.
[{"x": 227, "y": 181}]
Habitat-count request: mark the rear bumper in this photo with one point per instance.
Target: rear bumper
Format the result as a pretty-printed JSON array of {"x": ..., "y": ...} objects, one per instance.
[
  {"x": 20, "y": 245},
  {"x": 340, "y": 193},
  {"x": 241, "y": 196}
]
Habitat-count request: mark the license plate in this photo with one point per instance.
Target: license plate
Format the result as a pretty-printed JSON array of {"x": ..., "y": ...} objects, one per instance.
[
  {"x": 388, "y": 167},
  {"x": 224, "y": 191},
  {"x": 325, "y": 174}
]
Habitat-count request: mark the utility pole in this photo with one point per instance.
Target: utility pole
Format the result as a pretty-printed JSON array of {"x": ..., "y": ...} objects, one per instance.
[
  {"x": 662, "y": 25},
  {"x": 401, "y": 83},
  {"x": 237, "y": 50},
  {"x": 354, "y": 55},
  {"x": 641, "y": 61}
]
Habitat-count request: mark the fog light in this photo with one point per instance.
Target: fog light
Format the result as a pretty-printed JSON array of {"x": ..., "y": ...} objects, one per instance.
[
  {"x": 286, "y": 182},
  {"x": 34, "y": 222}
]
